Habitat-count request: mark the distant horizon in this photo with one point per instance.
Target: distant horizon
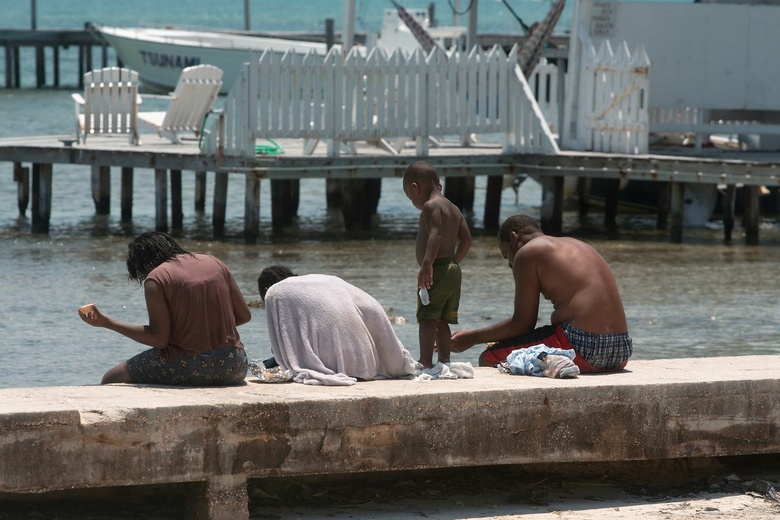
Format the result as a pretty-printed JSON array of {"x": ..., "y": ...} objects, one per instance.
[{"x": 53, "y": 14}]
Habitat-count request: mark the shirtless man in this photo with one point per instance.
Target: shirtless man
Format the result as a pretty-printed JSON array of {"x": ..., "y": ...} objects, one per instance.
[
  {"x": 443, "y": 239},
  {"x": 588, "y": 314}
]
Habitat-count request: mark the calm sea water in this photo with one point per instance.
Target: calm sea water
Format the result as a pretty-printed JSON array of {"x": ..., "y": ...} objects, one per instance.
[
  {"x": 699, "y": 298},
  {"x": 274, "y": 15}
]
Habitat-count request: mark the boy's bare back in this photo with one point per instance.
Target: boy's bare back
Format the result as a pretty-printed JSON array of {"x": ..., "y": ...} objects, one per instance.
[{"x": 440, "y": 218}]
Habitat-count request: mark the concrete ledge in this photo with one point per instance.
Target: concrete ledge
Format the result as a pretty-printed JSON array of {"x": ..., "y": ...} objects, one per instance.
[{"x": 55, "y": 438}]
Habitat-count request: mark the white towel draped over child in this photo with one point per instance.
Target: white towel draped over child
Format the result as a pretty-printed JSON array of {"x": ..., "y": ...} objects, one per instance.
[{"x": 329, "y": 332}]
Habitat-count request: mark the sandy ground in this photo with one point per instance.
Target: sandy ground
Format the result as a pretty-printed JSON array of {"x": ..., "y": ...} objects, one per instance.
[
  {"x": 610, "y": 506},
  {"x": 502, "y": 495},
  {"x": 479, "y": 493},
  {"x": 733, "y": 507}
]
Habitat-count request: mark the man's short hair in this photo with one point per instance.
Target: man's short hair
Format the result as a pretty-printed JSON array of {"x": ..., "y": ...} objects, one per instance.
[
  {"x": 421, "y": 170},
  {"x": 520, "y": 224}
]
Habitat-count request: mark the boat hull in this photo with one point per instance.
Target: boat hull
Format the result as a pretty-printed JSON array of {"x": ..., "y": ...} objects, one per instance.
[{"x": 159, "y": 55}]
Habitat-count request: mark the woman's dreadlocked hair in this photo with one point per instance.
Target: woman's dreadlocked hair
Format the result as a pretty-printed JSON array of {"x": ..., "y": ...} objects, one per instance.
[{"x": 149, "y": 250}]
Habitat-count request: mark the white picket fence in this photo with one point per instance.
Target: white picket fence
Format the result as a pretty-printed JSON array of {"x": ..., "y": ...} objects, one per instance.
[
  {"x": 381, "y": 97},
  {"x": 616, "y": 93},
  {"x": 545, "y": 85},
  {"x": 607, "y": 98}
]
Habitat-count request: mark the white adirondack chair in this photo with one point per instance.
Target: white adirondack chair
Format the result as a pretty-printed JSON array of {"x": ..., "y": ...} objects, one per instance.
[
  {"x": 109, "y": 105},
  {"x": 190, "y": 102}
]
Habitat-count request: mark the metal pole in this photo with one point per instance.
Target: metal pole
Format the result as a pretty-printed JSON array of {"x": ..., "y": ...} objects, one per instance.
[
  {"x": 34, "y": 16},
  {"x": 246, "y": 15},
  {"x": 471, "y": 38},
  {"x": 348, "y": 33}
]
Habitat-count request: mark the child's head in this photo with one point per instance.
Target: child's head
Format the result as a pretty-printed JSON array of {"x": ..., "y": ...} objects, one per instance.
[
  {"x": 419, "y": 172},
  {"x": 271, "y": 275},
  {"x": 420, "y": 179}
]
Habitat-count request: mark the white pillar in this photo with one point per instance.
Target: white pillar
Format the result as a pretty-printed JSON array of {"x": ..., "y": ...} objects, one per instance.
[
  {"x": 471, "y": 38},
  {"x": 348, "y": 32}
]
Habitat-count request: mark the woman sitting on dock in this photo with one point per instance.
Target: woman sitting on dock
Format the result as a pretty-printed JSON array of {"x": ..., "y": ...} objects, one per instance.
[
  {"x": 194, "y": 307},
  {"x": 329, "y": 332}
]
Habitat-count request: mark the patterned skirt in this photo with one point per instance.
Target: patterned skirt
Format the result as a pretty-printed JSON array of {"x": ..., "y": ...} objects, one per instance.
[{"x": 222, "y": 366}]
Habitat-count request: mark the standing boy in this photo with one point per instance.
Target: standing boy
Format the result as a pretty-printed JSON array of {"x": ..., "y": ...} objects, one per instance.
[{"x": 443, "y": 239}]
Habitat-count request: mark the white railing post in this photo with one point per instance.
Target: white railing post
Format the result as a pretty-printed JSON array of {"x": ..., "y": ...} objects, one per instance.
[
  {"x": 330, "y": 100},
  {"x": 544, "y": 83}
]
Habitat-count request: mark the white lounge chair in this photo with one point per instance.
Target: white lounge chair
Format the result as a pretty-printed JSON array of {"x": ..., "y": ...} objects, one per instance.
[
  {"x": 190, "y": 102},
  {"x": 109, "y": 104}
]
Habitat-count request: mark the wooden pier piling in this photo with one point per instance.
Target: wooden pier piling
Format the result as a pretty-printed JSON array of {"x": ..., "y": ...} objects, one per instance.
[
  {"x": 41, "y": 197},
  {"x": 251, "y": 209},
  {"x": 611, "y": 206},
  {"x": 676, "y": 201},
  {"x": 177, "y": 211},
  {"x": 127, "y": 194},
  {"x": 750, "y": 217},
  {"x": 200, "y": 191},
  {"x": 360, "y": 199},
  {"x": 161, "y": 199},
  {"x": 54, "y": 40},
  {"x": 101, "y": 189},
  {"x": 359, "y": 178},
  {"x": 220, "y": 204},
  {"x": 22, "y": 179},
  {"x": 285, "y": 197},
  {"x": 495, "y": 185},
  {"x": 551, "y": 218}
]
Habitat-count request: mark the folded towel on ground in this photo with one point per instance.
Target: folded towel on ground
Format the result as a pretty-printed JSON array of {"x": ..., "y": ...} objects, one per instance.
[
  {"x": 525, "y": 361},
  {"x": 329, "y": 332},
  {"x": 452, "y": 370}
]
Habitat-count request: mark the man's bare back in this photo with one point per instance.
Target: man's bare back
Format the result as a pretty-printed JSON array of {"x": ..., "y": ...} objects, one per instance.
[{"x": 576, "y": 280}]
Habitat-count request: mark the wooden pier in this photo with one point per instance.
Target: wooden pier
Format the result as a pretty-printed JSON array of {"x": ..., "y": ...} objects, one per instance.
[
  {"x": 353, "y": 179},
  {"x": 47, "y": 46}
]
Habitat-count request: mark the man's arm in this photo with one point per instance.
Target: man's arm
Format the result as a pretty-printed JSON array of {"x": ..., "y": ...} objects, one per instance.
[{"x": 526, "y": 308}]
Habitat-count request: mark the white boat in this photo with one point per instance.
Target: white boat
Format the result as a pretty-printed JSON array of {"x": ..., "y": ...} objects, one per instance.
[{"x": 159, "y": 54}]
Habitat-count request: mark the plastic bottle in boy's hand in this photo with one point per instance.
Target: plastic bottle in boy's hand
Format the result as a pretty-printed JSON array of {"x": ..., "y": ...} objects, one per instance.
[{"x": 559, "y": 367}]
